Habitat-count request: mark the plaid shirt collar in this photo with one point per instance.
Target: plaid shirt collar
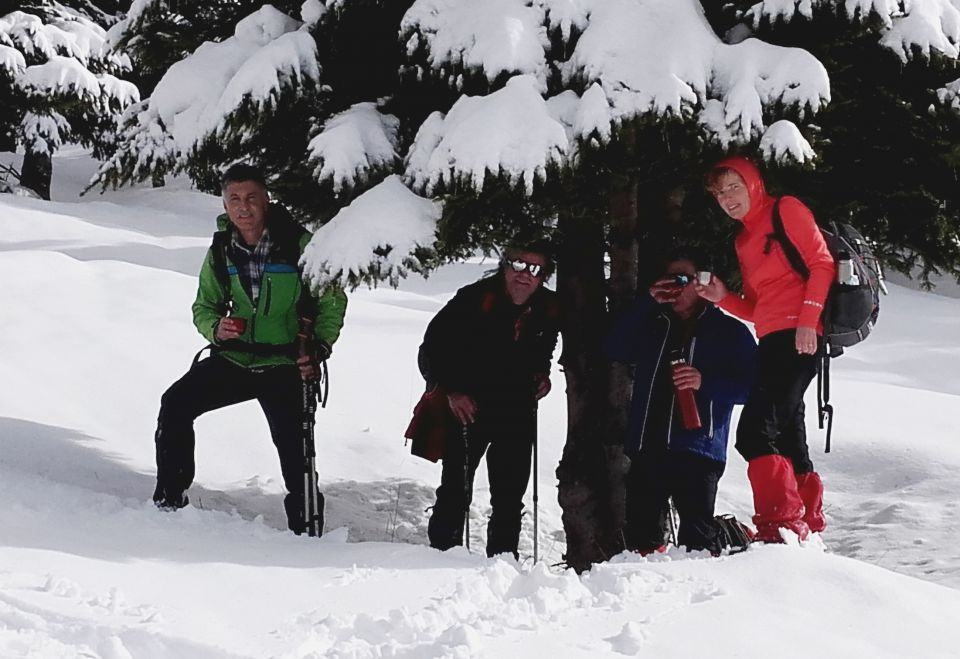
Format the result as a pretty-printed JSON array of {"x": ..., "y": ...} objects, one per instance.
[{"x": 250, "y": 262}]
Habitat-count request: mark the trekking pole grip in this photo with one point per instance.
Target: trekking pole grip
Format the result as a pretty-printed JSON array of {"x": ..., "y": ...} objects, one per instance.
[{"x": 304, "y": 343}]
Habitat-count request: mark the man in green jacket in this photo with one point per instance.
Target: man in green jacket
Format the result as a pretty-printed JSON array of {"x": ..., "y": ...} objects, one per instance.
[{"x": 249, "y": 305}]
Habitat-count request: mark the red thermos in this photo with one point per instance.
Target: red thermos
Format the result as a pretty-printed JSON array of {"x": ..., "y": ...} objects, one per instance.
[{"x": 689, "y": 415}]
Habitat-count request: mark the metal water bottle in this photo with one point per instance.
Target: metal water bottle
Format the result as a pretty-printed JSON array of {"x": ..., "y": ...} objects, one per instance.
[
  {"x": 686, "y": 401},
  {"x": 846, "y": 270}
]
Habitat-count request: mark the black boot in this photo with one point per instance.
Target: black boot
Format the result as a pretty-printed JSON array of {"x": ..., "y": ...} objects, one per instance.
[
  {"x": 503, "y": 533},
  {"x": 445, "y": 527},
  {"x": 169, "y": 499},
  {"x": 293, "y": 505}
]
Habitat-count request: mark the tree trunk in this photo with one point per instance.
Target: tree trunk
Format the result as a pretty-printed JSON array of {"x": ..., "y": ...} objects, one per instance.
[
  {"x": 36, "y": 173},
  {"x": 592, "y": 468}
]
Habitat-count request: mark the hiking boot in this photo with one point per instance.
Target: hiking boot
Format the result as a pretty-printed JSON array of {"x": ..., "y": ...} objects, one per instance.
[{"x": 293, "y": 505}]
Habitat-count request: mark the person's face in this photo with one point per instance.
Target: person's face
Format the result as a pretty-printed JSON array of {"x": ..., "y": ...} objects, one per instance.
[
  {"x": 688, "y": 302},
  {"x": 730, "y": 191},
  {"x": 522, "y": 284},
  {"x": 246, "y": 206}
]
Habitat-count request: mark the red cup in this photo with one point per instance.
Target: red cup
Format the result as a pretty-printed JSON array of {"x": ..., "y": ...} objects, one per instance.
[{"x": 239, "y": 324}]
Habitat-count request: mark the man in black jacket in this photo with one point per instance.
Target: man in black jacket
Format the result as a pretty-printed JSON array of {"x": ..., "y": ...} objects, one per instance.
[{"x": 489, "y": 351}]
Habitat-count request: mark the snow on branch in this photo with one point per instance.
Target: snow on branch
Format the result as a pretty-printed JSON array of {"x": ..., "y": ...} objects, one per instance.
[
  {"x": 352, "y": 143},
  {"x": 122, "y": 92},
  {"x": 60, "y": 76},
  {"x": 949, "y": 96},
  {"x": 372, "y": 239},
  {"x": 782, "y": 142},
  {"x": 564, "y": 15},
  {"x": 11, "y": 60},
  {"x": 787, "y": 10},
  {"x": 44, "y": 133},
  {"x": 88, "y": 40},
  {"x": 69, "y": 34},
  {"x": 909, "y": 26},
  {"x": 929, "y": 25},
  {"x": 661, "y": 57},
  {"x": 510, "y": 132},
  {"x": 287, "y": 60},
  {"x": 146, "y": 149},
  {"x": 753, "y": 75},
  {"x": 136, "y": 11},
  {"x": 266, "y": 56},
  {"x": 493, "y": 36},
  {"x": 312, "y": 11}
]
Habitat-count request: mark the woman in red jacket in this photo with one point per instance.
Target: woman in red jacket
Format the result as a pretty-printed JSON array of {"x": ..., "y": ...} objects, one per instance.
[{"x": 785, "y": 310}]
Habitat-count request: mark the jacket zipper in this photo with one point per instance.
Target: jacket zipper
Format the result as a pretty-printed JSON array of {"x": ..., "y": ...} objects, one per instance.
[
  {"x": 266, "y": 303},
  {"x": 710, "y": 435},
  {"x": 653, "y": 377}
]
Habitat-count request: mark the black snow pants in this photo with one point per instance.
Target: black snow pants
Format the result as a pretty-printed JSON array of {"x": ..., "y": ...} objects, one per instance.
[
  {"x": 507, "y": 437},
  {"x": 772, "y": 421},
  {"x": 691, "y": 480},
  {"x": 217, "y": 382}
]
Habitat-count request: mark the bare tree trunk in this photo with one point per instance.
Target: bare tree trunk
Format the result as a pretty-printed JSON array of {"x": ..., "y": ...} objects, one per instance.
[
  {"x": 36, "y": 173},
  {"x": 592, "y": 468}
]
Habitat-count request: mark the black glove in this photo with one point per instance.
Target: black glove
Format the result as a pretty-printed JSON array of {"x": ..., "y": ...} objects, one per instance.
[{"x": 321, "y": 351}]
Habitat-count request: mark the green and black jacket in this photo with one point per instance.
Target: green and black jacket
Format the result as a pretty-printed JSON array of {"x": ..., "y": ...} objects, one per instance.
[{"x": 273, "y": 323}]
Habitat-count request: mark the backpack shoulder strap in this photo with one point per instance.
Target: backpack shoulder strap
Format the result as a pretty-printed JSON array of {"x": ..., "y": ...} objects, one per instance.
[
  {"x": 221, "y": 240},
  {"x": 288, "y": 233},
  {"x": 789, "y": 249}
]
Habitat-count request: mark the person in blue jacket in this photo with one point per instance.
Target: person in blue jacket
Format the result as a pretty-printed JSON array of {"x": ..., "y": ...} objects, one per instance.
[{"x": 668, "y": 460}]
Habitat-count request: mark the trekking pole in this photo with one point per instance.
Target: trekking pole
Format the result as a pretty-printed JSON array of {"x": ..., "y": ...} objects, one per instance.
[
  {"x": 467, "y": 487},
  {"x": 824, "y": 408},
  {"x": 311, "y": 515},
  {"x": 308, "y": 389},
  {"x": 536, "y": 491}
]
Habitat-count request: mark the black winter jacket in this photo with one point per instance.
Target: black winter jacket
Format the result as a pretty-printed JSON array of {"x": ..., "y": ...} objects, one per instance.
[{"x": 483, "y": 345}]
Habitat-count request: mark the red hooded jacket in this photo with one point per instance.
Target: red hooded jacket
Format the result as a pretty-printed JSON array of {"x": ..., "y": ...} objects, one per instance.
[{"x": 775, "y": 297}]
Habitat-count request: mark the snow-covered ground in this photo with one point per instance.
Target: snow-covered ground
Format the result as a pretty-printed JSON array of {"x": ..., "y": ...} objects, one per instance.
[{"x": 96, "y": 324}]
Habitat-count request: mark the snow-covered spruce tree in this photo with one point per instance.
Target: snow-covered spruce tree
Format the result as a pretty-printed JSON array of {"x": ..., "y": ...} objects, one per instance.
[
  {"x": 582, "y": 119},
  {"x": 225, "y": 83},
  {"x": 593, "y": 112},
  {"x": 887, "y": 143},
  {"x": 157, "y": 33},
  {"x": 308, "y": 100},
  {"x": 58, "y": 83}
]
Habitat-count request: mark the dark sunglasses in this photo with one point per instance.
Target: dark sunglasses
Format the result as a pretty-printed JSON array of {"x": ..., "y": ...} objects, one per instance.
[
  {"x": 519, "y": 265},
  {"x": 680, "y": 279}
]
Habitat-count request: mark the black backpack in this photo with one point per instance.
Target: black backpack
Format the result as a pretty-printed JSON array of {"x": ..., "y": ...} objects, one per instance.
[{"x": 853, "y": 302}]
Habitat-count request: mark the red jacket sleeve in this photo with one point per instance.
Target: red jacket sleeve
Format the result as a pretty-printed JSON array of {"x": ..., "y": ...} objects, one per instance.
[
  {"x": 803, "y": 232},
  {"x": 741, "y": 306}
]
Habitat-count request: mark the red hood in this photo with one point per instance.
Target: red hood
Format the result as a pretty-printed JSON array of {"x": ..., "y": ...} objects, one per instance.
[{"x": 751, "y": 176}]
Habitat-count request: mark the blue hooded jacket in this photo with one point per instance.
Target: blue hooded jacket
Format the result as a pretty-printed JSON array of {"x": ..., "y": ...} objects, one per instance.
[{"x": 722, "y": 349}]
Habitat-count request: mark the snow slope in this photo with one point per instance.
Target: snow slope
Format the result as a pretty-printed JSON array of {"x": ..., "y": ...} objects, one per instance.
[{"x": 96, "y": 324}]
